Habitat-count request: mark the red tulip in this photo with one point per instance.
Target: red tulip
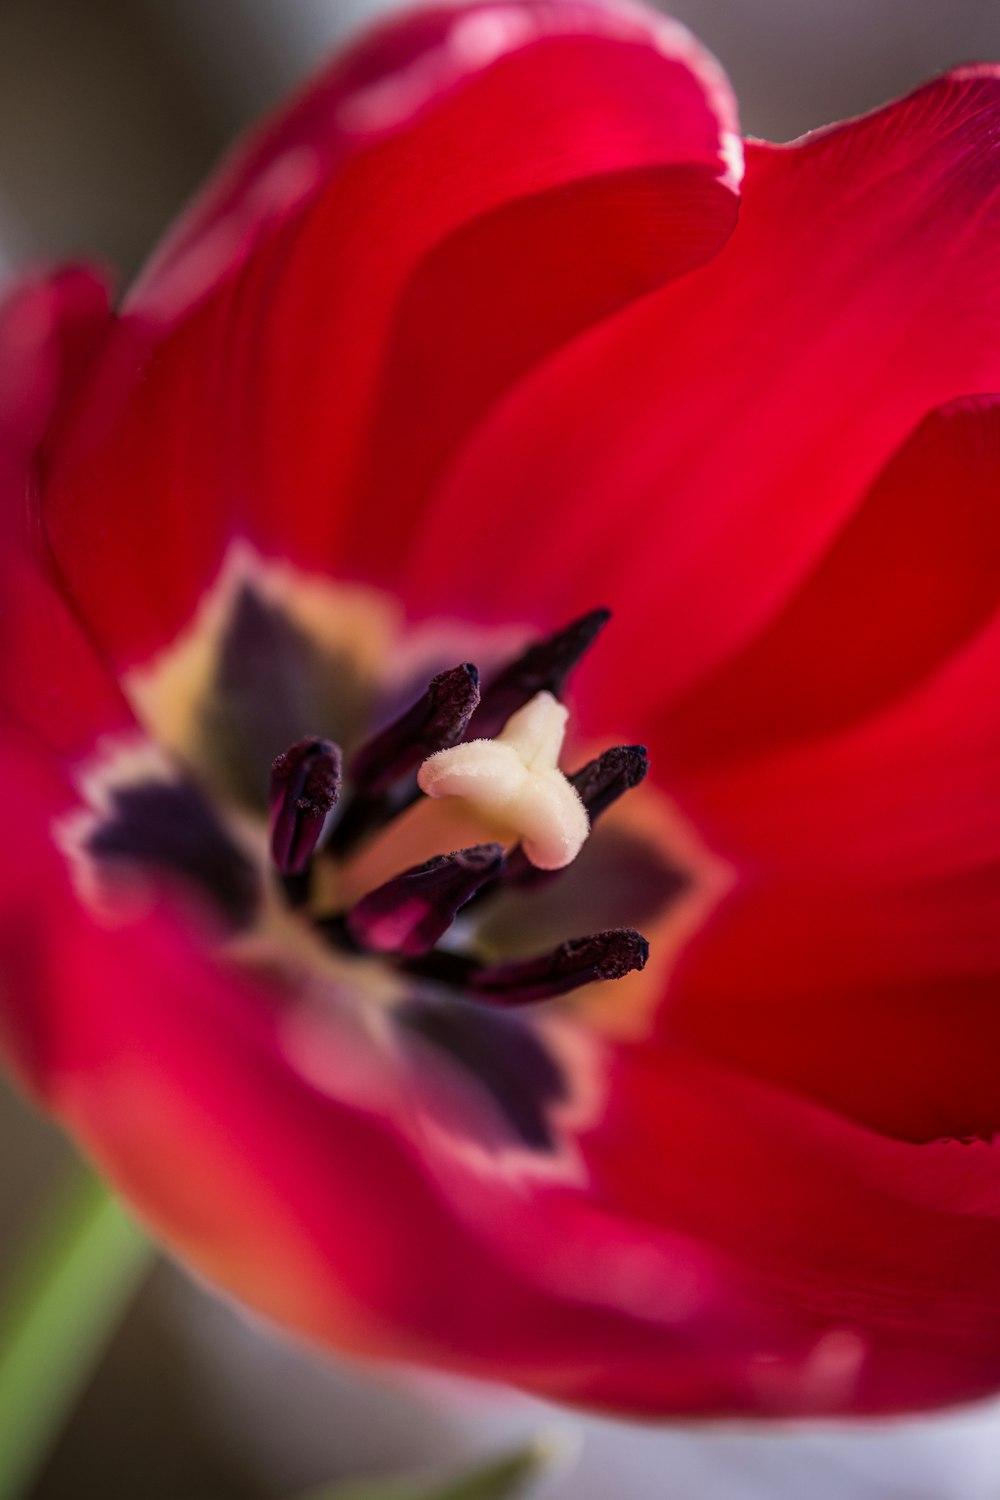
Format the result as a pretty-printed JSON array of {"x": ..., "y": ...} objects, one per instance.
[{"x": 465, "y": 344}]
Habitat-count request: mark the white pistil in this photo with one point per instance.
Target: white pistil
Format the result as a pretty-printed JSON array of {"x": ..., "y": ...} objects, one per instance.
[{"x": 515, "y": 781}]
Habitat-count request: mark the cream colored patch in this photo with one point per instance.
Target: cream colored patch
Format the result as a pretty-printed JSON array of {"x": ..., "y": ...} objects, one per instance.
[{"x": 342, "y": 619}]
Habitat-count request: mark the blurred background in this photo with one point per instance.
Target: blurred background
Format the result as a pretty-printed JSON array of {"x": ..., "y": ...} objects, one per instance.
[{"x": 111, "y": 111}]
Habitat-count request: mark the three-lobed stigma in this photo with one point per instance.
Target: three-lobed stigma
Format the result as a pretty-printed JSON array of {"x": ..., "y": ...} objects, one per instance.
[{"x": 515, "y": 782}]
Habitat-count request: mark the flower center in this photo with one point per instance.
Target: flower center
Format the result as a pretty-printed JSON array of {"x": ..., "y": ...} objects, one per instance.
[
  {"x": 389, "y": 838},
  {"x": 510, "y": 783}
]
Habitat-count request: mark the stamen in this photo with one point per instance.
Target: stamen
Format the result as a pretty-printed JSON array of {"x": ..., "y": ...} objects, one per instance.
[
  {"x": 305, "y": 786},
  {"x": 515, "y": 781},
  {"x": 609, "y": 776},
  {"x": 543, "y": 668},
  {"x": 411, "y": 912},
  {"x": 602, "y": 955},
  {"x": 439, "y": 718}
]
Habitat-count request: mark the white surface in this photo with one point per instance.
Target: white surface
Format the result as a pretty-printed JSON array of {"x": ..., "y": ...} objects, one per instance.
[{"x": 307, "y": 1419}]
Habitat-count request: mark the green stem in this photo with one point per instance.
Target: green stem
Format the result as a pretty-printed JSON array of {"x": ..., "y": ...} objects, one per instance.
[
  {"x": 502, "y": 1479},
  {"x": 72, "y": 1282}
]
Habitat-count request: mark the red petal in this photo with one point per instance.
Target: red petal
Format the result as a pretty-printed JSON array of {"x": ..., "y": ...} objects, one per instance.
[
  {"x": 50, "y": 676},
  {"x": 691, "y": 460},
  {"x": 441, "y": 209},
  {"x": 915, "y": 1060},
  {"x": 888, "y": 1252},
  {"x": 911, "y": 795},
  {"x": 914, "y": 573},
  {"x": 855, "y": 963}
]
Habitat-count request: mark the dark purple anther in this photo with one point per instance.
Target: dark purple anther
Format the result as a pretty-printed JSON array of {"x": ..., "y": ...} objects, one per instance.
[
  {"x": 410, "y": 913},
  {"x": 437, "y": 720},
  {"x": 305, "y": 785},
  {"x": 603, "y": 955},
  {"x": 603, "y": 780},
  {"x": 544, "y": 667}
]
